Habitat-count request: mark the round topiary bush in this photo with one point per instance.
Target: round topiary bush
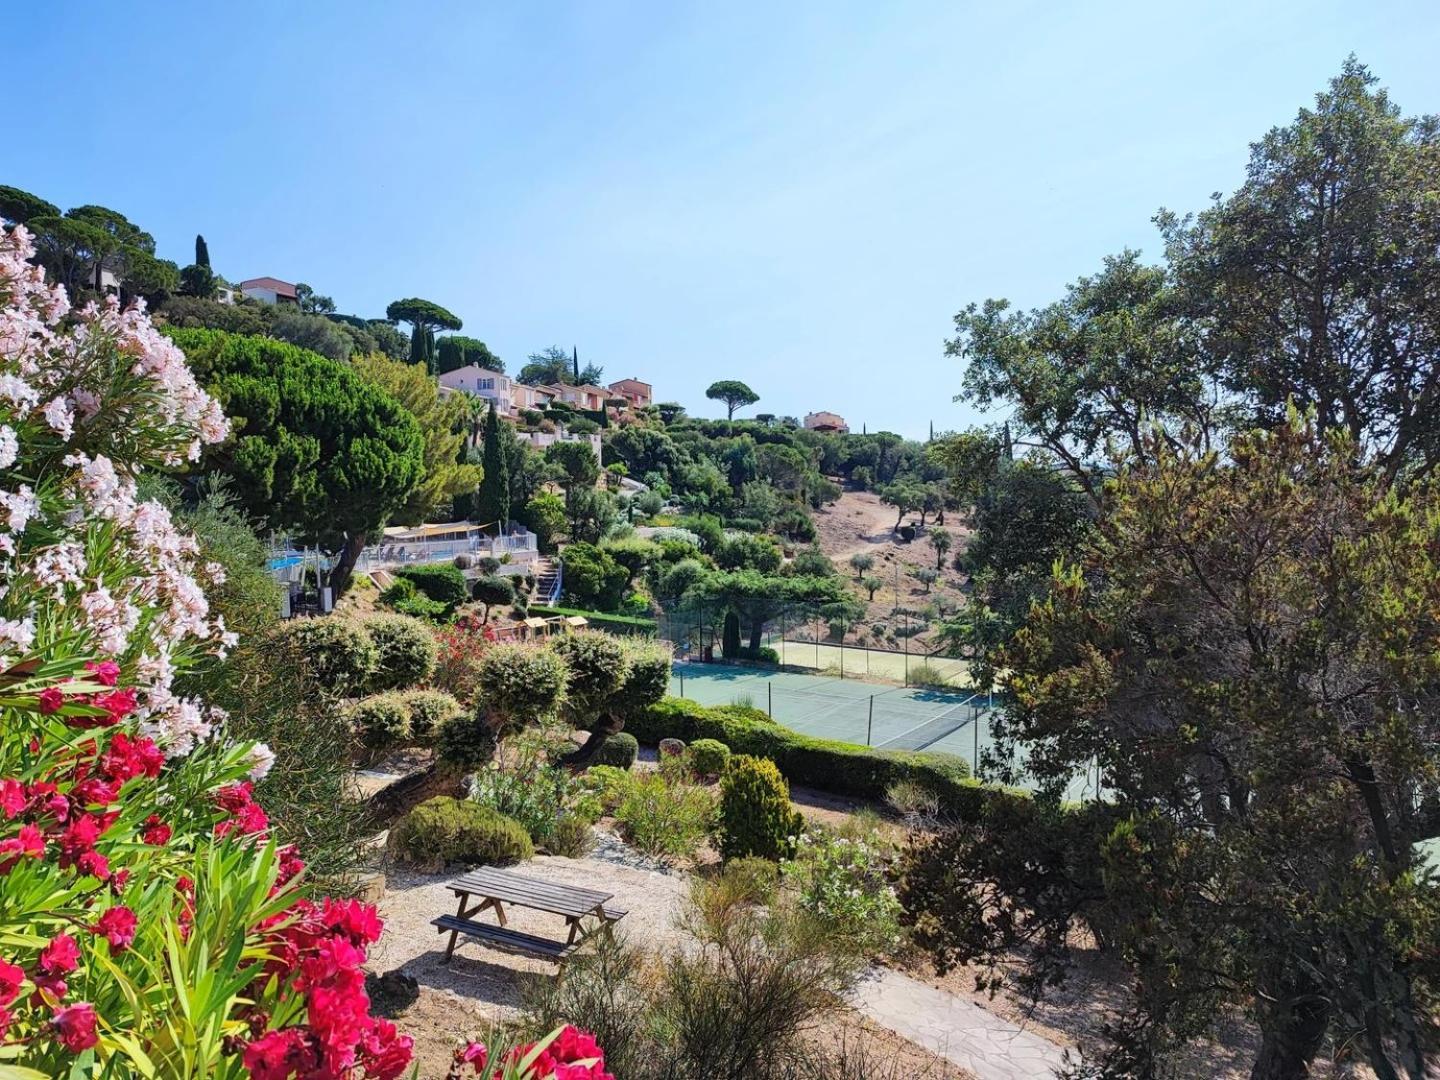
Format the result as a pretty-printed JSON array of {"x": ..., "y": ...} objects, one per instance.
[
  {"x": 405, "y": 651},
  {"x": 337, "y": 653},
  {"x": 444, "y": 831},
  {"x": 379, "y": 723},
  {"x": 466, "y": 742},
  {"x": 518, "y": 685},
  {"x": 756, "y": 817},
  {"x": 708, "y": 757},
  {"x": 619, "y": 750},
  {"x": 430, "y": 711},
  {"x": 671, "y": 747},
  {"x": 596, "y": 664}
]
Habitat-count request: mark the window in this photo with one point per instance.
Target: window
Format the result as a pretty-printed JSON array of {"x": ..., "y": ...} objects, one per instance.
[{"x": 485, "y": 384}]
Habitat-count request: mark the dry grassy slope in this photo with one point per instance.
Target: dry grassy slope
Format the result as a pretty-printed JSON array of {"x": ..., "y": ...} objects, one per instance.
[{"x": 859, "y": 522}]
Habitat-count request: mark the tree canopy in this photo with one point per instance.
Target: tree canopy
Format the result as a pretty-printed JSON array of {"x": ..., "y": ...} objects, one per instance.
[
  {"x": 18, "y": 207},
  {"x": 443, "y": 420},
  {"x": 456, "y": 351},
  {"x": 316, "y": 448},
  {"x": 734, "y": 393},
  {"x": 425, "y": 318}
]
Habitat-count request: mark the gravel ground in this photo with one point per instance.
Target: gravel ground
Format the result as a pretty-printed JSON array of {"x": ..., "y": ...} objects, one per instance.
[{"x": 488, "y": 982}]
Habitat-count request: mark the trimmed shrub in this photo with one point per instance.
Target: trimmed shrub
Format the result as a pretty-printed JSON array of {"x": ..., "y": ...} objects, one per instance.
[
  {"x": 442, "y": 831},
  {"x": 618, "y": 750},
  {"x": 596, "y": 665},
  {"x": 429, "y": 712},
  {"x": 756, "y": 817},
  {"x": 647, "y": 676},
  {"x": 764, "y": 654},
  {"x": 520, "y": 684},
  {"x": 405, "y": 651},
  {"x": 708, "y": 757},
  {"x": 379, "y": 723},
  {"x": 441, "y": 582},
  {"x": 601, "y": 620},
  {"x": 337, "y": 653},
  {"x": 827, "y": 764},
  {"x": 405, "y": 599},
  {"x": 491, "y": 591},
  {"x": 467, "y": 742}
]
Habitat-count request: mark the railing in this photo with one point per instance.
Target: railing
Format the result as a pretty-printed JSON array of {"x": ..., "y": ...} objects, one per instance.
[{"x": 284, "y": 557}]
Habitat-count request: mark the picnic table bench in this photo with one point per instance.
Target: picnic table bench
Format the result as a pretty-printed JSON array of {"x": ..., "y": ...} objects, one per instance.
[{"x": 492, "y": 888}]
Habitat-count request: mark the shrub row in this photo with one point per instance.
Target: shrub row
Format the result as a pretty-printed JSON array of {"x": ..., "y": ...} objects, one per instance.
[
  {"x": 618, "y": 624},
  {"x": 826, "y": 764}
]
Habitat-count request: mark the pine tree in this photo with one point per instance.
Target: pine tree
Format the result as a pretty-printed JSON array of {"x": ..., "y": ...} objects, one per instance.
[
  {"x": 202, "y": 252},
  {"x": 494, "y": 499}
]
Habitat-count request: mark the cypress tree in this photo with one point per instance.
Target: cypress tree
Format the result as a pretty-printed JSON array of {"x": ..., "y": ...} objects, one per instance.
[
  {"x": 202, "y": 252},
  {"x": 417, "y": 346},
  {"x": 494, "y": 499}
]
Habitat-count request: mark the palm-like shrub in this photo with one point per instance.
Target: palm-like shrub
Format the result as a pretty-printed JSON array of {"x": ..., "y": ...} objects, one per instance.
[
  {"x": 756, "y": 817},
  {"x": 405, "y": 651}
]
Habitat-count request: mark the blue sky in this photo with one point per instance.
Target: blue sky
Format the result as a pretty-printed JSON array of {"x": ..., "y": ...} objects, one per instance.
[{"x": 799, "y": 195}]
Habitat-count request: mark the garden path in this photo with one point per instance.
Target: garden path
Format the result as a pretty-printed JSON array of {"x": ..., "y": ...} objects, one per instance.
[{"x": 958, "y": 1030}]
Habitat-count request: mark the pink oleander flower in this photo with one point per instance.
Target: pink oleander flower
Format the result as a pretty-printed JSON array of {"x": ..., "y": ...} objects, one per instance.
[
  {"x": 75, "y": 1026},
  {"x": 117, "y": 925}
]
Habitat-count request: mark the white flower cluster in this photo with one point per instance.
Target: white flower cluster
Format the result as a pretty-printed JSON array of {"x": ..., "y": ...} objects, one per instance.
[{"x": 79, "y": 551}]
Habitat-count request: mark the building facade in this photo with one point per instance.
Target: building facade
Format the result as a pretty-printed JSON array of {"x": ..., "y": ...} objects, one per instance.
[
  {"x": 826, "y": 421},
  {"x": 268, "y": 290}
]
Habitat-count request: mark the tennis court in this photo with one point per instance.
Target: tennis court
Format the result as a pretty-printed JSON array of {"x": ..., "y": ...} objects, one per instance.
[
  {"x": 859, "y": 662},
  {"x": 870, "y": 714},
  {"x": 890, "y": 717}
]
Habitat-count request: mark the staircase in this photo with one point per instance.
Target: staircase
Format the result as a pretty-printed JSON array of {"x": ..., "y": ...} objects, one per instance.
[{"x": 547, "y": 581}]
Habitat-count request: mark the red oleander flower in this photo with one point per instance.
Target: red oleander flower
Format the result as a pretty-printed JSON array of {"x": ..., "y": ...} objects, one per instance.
[
  {"x": 155, "y": 831},
  {"x": 117, "y": 926},
  {"x": 355, "y": 920},
  {"x": 60, "y": 956},
  {"x": 106, "y": 672},
  {"x": 75, "y": 1026},
  {"x": 12, "y": 798},
  {"x": 118, "y": 704},
  {"x": 29, "y": 841},
  {"x": 94, "y": 864},
  {"x": 11, "y": 976},
  {"x": 279, "y": 1055},
  {"x": 475, "y": 1054},
  {"x": 52, "y": 700}
]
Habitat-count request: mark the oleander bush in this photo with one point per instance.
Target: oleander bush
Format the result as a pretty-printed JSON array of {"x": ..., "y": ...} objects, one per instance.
[
  {"x": 756, "y": 817},
  {"x": 442, "y": 832},
  {"x": 665, "y": 818},
  {"x": 523, "y": 782},
  {"x": 405, "y": 651},
  {"x": 608, "y": 784},
  {"x": 144, "y": 900},
  {"x": 457, "y": 665},
  {"x": 842, "y": 881},
  {"x": 337, "y": 653},
  {"x": 619, "y": 750}
]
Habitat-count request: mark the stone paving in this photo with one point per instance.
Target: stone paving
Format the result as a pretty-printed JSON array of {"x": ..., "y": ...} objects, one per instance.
[{"x": 958, "y": 1030}]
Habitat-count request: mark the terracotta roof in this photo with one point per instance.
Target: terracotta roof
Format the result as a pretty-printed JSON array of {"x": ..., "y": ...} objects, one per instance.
[{"x": 280, "y": 288}]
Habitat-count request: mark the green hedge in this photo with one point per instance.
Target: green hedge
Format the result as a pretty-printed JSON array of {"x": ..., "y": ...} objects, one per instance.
[
  {"x": 826, "y": 764},
  {"x": 616, "y": 624}
]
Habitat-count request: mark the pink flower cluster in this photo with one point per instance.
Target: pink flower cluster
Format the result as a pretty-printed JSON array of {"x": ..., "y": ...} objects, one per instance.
[
  {"x": 326, "y": 946},
  {"x": 569, "y": 1054},
  {"x": 138, "y": 593}
]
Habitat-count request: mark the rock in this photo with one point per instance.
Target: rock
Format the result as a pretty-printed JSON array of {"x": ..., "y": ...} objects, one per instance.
[
  {"x": 671, "y": 747},
  {"x": 392, "y": 993}
]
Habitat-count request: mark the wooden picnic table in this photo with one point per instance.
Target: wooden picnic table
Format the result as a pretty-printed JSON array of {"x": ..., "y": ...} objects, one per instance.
[{"x": 491, "y": 888}]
